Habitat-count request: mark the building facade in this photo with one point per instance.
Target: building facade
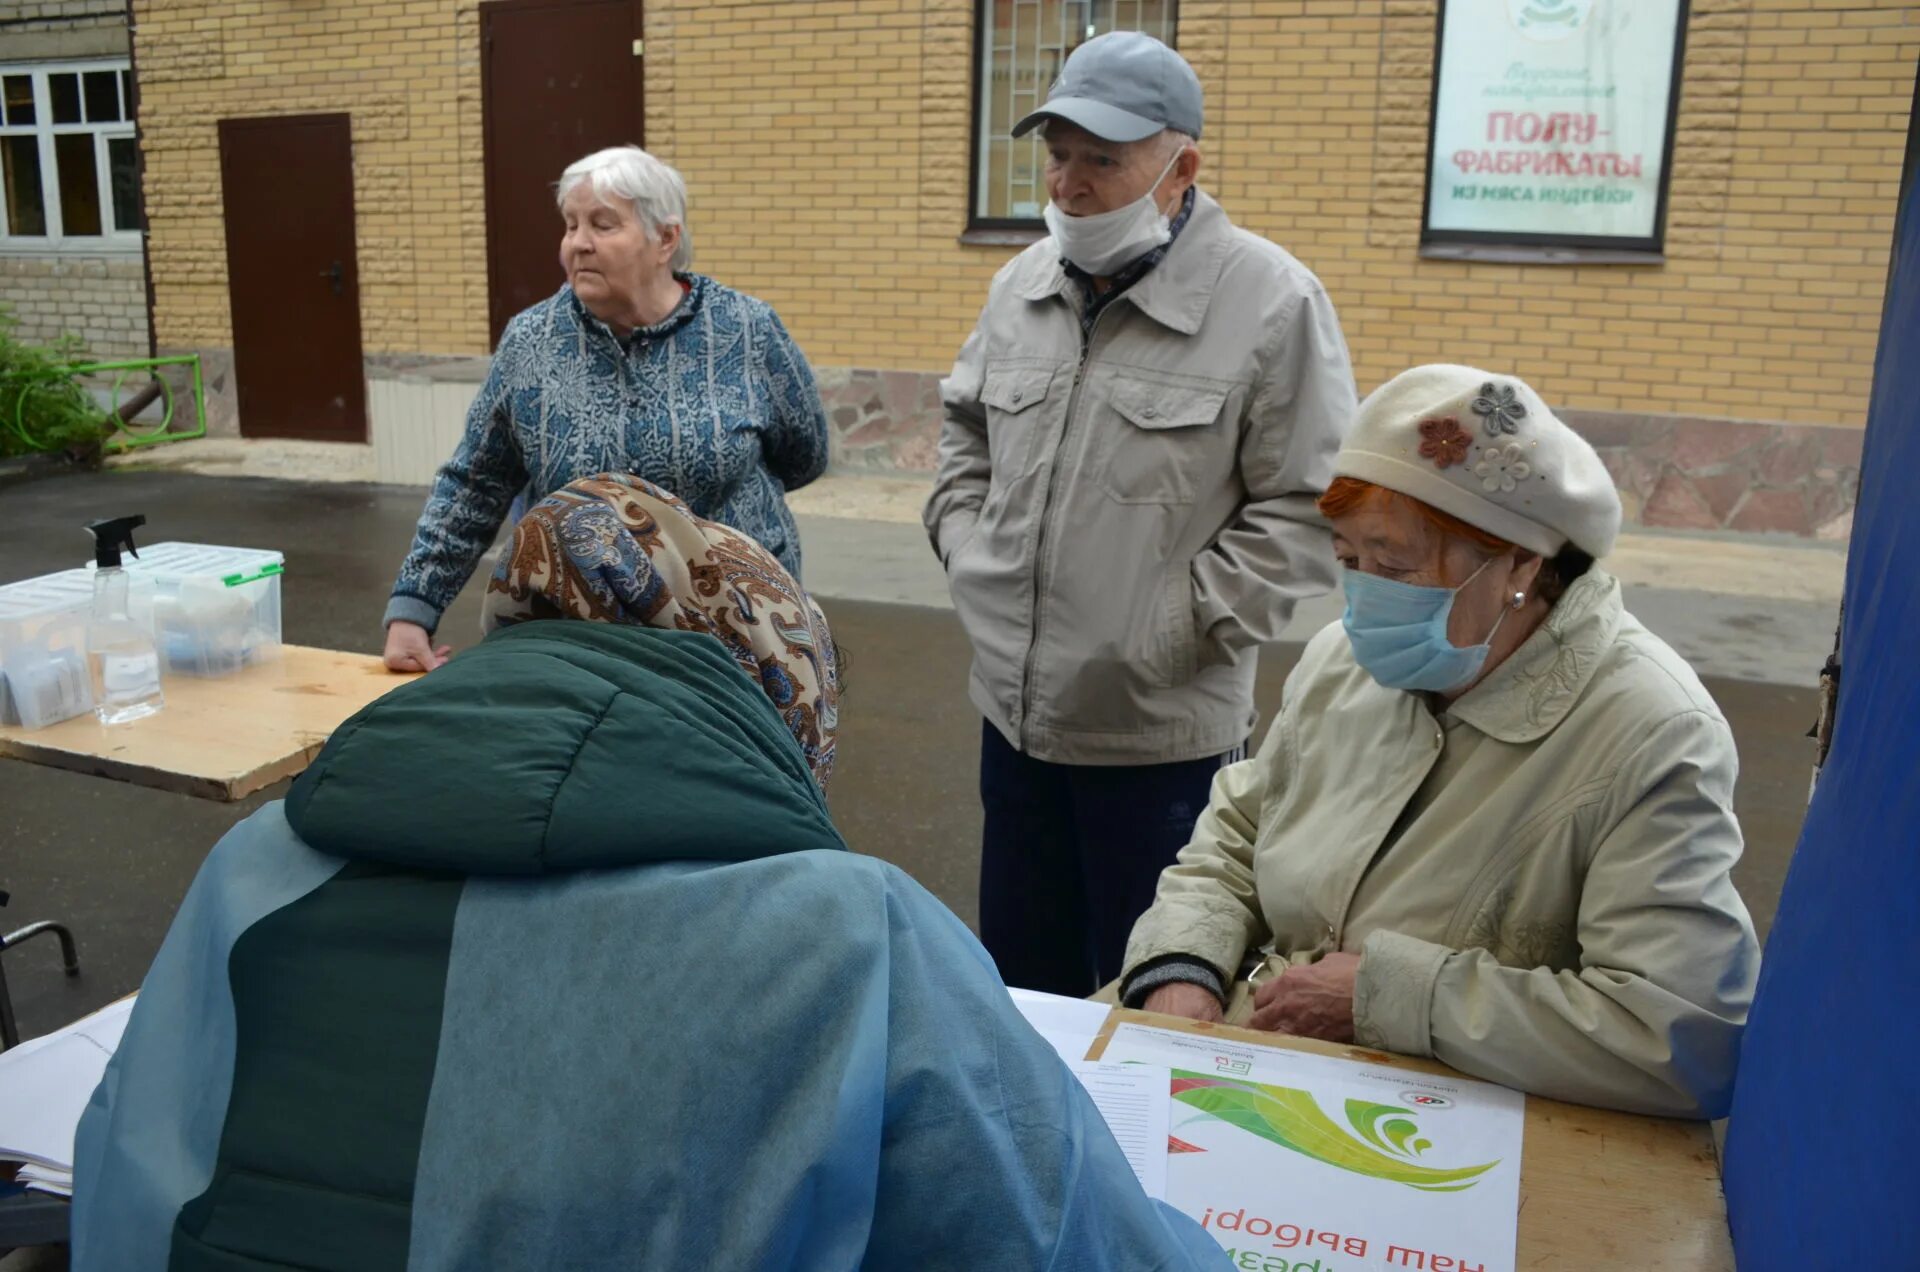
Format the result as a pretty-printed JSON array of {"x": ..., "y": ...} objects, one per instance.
[
  {"x": 70, "y": 250},
  {"x": 843, "y": 163}
]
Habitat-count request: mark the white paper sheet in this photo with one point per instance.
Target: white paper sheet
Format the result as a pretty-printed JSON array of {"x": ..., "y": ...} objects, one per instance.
[
  {"x": 1288, "y": 1158},
  {"x": 45, "y": 1085},
  {"x": 47, "y": 1180},
  {"x": 1133, "y": 1098},
  {"x": 1069, "y": 1024}
]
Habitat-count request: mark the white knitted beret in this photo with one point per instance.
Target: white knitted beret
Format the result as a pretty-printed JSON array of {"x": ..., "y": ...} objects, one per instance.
[{"x": 1485, "y": 448}]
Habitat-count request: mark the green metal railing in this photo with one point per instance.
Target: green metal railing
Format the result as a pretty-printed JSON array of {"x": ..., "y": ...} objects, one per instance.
[{"x": 118, "y": 434}]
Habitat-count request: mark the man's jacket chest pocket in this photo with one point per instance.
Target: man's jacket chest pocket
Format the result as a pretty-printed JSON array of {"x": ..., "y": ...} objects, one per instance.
[
  {"x": 1013, "y": 396},
  {"x": 1159, "y": 442}
]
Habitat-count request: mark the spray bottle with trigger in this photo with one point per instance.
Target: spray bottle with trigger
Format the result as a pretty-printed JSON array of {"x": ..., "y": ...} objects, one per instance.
[{"x": 120, "y": 654}]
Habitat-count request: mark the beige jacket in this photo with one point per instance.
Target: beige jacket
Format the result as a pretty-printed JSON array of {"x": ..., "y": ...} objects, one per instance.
[
  {"x": 1537, "y": 880},
  {"x": 1124, "y": 524}
]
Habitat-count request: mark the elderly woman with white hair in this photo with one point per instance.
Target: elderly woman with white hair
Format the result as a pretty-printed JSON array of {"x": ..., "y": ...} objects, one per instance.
[
  {"x": 636, "y": 365},
  {"x": 1493, "y": 822}
]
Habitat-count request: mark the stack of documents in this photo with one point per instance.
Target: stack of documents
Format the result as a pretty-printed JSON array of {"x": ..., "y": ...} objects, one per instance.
[
  {"x": 1133, "y": 1099},
  {"x": 44, "y": 1087},
  {"x": 1070, "y": 1024}
]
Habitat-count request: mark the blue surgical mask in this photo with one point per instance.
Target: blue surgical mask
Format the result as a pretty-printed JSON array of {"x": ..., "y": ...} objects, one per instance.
[{"x": 1399, "y": 633}]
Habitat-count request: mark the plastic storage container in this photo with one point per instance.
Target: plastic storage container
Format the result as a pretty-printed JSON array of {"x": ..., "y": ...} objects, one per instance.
[
  {"x": 215, "y": 610},
  {"x": 43, "y": 648}
]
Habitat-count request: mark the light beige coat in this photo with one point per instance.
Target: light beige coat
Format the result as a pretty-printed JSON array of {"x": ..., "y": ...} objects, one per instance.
[
  {"x": 1124, "y": 523},
  {"x": 1537, "y": 880}
]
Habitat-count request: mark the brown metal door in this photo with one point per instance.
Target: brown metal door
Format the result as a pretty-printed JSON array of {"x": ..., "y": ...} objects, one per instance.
[
  {"x": 294, "y": 284},
  {"x": 559, "y": 79}
]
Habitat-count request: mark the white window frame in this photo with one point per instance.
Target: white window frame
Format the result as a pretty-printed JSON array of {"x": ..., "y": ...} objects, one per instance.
[{"x": 56, "y": 241}]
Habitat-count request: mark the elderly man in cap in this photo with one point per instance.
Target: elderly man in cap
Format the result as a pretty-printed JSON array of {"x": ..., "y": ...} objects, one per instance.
[{"x": 1134, "y": 438}]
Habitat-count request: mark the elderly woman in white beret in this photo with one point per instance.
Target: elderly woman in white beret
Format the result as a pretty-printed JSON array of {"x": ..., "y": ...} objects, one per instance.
[
  {"x": 1493, "y": 822},
  {"x": 636, "y": 365}
]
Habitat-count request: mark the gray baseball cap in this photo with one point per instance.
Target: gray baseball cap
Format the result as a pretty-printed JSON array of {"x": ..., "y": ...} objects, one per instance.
[{"x": 1122, "y": 86}]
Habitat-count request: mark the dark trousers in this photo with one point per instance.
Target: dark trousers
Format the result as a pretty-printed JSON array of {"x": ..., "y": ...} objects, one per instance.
[{"x": 1071, "y": 857}]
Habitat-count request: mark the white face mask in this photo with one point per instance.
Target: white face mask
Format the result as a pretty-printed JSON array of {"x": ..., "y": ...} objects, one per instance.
[{"x": 1106, "y": 241}]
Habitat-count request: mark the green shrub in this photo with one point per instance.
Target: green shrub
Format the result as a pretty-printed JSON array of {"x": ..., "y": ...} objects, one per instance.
[{"x": 57, "y": 414}]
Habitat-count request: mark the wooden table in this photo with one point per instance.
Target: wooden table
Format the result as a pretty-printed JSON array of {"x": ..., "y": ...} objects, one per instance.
[
  {"x": 1597, "y": 1189},
  {"x": 223, "y": 738}
]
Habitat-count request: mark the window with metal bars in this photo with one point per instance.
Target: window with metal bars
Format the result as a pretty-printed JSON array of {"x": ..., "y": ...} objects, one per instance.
[{"x": 1021, "y": 45}]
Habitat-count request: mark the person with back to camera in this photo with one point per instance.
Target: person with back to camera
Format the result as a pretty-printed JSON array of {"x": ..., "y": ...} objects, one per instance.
[{"x": 607, "y": 991}]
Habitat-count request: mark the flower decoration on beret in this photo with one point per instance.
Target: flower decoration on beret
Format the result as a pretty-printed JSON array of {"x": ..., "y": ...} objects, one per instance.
[
  {"x": 1484, "y": 447},
  {"x": 1501, "y": 468},
  {"x": 1444, "y": 442},
  {"x": 1499, "y": 408}
]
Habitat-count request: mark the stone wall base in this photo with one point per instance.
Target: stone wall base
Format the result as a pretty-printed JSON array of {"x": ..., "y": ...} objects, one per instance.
[{"x": 1674, "y": 472}]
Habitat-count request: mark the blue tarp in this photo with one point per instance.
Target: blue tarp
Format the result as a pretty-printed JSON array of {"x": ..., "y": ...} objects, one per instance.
[{"x": 1823, "y": 1153}]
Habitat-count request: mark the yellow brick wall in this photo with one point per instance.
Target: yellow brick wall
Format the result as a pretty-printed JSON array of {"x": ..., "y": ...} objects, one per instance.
[
  {"x": 826, "y": 145},
  {"x": 409, "y": 73},
  {"x": 1786, "y": 166},
  {"x": 99, "y": 301},
  {"x": 827, "y": 148},
  {"x": 23, "y": 16}
]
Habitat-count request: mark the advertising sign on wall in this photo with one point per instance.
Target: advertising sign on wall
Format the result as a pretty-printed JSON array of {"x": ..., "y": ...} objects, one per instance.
[{"x": 1553, "y": 122}]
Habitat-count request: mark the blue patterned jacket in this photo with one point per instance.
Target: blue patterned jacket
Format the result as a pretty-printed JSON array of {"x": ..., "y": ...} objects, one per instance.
[{"x": 716, "y": 404}]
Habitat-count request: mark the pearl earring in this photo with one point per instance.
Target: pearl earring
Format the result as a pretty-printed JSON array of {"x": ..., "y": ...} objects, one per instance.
[{"x": 1519, "y": 600}]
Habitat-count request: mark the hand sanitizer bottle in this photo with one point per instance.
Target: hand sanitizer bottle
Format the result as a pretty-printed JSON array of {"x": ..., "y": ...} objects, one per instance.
[{"x": 121, "y": 656}]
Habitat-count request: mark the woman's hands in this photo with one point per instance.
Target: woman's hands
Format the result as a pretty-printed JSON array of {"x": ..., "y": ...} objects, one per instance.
[
  {"x": 1182, "y": 998},
  {"x": 410, "y": 648},
  {"x": 1314, "y": 1000}
]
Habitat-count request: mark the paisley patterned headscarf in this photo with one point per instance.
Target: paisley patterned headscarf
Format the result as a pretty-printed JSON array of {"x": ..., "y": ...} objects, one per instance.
[{"x": 617, "y": 549}]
